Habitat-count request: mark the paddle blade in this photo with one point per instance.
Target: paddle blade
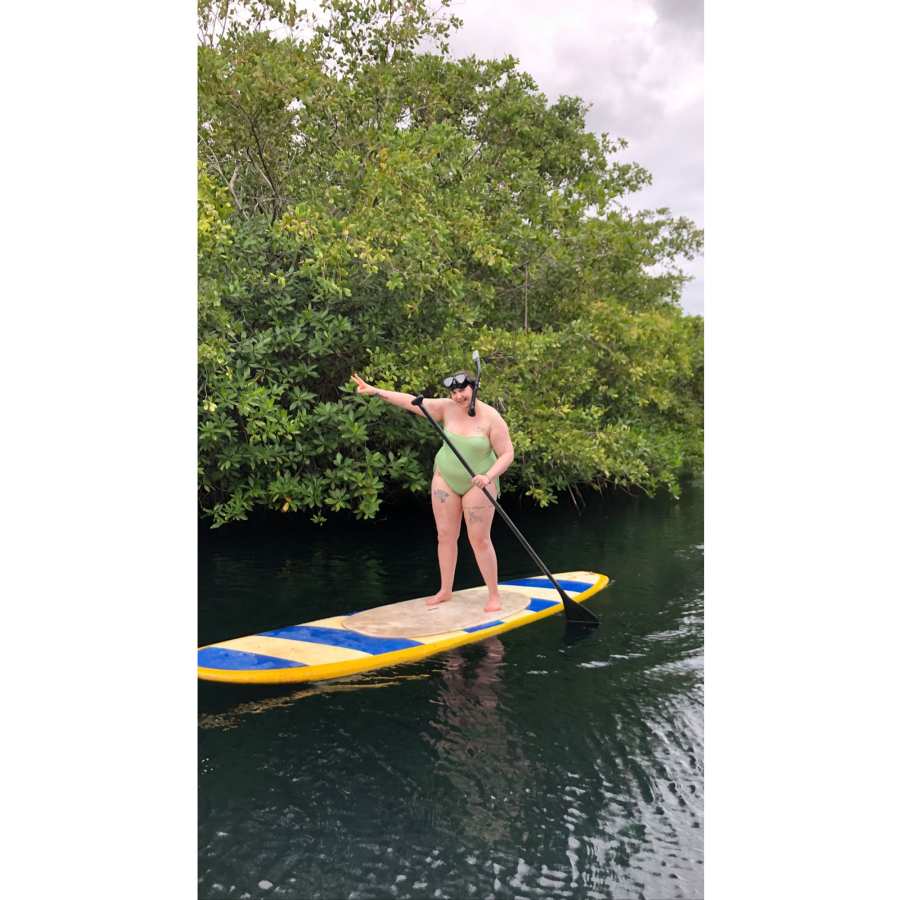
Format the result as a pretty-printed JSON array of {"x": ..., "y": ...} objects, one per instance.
[{"x": 576, "y": 614}]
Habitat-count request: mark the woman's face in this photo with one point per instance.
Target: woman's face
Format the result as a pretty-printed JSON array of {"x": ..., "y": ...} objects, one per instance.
[{"x": 461, "y": 396}]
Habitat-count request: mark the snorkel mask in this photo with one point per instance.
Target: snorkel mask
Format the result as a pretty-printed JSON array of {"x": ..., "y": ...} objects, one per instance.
[{"x": 457, "y": 381}]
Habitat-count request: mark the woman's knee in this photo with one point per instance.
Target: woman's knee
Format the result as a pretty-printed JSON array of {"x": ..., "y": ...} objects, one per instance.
[
  {"x": 447, "y": 531},
  {"x": 480, "y": 542}
]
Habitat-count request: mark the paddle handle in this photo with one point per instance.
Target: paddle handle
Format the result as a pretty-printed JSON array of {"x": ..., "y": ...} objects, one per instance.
[{"x": 574, "y": 612}]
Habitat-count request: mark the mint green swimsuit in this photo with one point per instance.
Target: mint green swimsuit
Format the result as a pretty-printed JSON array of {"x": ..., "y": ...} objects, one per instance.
[{"x": 475, "y": 450}]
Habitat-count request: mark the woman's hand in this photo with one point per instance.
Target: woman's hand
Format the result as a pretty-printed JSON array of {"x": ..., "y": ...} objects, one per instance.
[
  {"x": 481, "y": 481},
  {"x": 362, "y": 387}
]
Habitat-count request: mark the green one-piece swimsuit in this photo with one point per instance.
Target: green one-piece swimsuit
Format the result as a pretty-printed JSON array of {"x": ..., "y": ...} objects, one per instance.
[{"x": 476, "y": 451}]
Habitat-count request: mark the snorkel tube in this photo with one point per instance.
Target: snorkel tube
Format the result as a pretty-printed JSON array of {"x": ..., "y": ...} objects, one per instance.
[{"x": 477, "y": 360}]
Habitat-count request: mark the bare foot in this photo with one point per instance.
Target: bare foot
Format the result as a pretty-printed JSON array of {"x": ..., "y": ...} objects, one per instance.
[
  {"x": 437, "y": 599},
  {"x": 493, "y": 604}
]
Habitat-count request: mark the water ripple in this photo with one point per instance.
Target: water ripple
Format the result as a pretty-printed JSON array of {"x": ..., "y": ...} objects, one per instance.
[{"x": 520, "y": 767}]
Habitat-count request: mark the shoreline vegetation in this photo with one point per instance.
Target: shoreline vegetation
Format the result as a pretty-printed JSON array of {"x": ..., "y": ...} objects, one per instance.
[{"x": 368, "y": 203}]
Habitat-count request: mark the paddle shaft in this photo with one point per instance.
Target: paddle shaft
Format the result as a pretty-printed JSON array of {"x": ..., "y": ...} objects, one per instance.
[{"x": 574, "y": 612}]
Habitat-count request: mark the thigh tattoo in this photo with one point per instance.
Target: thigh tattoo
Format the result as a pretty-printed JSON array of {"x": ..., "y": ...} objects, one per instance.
[{"x": 441, "y": 495}]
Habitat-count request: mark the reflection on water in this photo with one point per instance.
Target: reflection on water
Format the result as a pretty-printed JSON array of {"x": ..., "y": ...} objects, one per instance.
[
  {"x": 366, "y": 681},
  {"x": 474, "y": 751},
  {"x": 529, "y": 765}
]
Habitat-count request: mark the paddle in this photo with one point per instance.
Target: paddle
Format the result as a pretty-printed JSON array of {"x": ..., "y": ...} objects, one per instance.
[{"x": 575, "y": 613}]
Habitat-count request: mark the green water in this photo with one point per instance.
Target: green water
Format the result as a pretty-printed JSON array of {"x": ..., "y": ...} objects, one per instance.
[{"x": 533, "y": 765}]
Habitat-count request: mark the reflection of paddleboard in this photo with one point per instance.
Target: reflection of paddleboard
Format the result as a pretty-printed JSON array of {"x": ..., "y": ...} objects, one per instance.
[{"x": 387, "y": 635}]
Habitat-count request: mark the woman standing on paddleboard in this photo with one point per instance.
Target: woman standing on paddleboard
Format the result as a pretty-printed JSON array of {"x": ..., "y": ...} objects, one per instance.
[{"x": 484, "y": 442}]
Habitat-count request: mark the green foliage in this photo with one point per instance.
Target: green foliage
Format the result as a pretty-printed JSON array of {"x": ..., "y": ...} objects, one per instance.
[{"x": 366, "y": 205}]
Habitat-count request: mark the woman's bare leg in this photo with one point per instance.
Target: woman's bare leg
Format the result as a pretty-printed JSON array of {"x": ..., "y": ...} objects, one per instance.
[
  {"x": 479, "y": 515},
  {"x": 447, "y": 508}
]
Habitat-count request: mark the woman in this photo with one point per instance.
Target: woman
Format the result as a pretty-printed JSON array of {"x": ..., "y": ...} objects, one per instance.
[{"x": 483, "y": 440}]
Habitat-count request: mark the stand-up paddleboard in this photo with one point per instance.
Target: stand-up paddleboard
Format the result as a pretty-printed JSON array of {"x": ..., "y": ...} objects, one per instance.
[{"x": 387, "y": 635}]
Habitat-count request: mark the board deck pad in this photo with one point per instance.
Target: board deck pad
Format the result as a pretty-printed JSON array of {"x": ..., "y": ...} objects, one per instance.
[
  {"x": 414, "y": 618},
  {"x": 388, "y": 635}
]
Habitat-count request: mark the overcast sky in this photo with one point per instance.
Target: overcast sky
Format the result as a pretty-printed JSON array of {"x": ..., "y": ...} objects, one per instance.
[{"x": 638, "y": 63}]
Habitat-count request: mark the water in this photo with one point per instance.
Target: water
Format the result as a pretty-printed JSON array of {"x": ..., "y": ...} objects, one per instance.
[{"x": 532, "y": 765}]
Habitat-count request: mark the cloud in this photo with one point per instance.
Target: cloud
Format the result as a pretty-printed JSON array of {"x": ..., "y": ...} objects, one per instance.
[
  {"x": 685, "y": 14},
  {"x": 638, "y": 63}
]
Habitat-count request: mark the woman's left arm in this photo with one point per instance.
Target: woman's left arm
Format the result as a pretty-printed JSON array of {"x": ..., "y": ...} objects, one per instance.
[{"x": 502, "y": 446}]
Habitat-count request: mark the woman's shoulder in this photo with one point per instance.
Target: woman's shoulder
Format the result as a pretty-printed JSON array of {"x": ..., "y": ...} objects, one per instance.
[
  {"x": 437, "y": 407},
  {"x": 491, "y": 414}
]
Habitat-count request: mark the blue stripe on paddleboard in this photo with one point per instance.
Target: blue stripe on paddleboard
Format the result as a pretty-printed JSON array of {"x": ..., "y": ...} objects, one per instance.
[
  {"x": 341, "y": 637},
  {"x": 485, "y": 625},
  {"x": 577, "y": 586},
  {"x": 537, "y": 605},
  {"x": 222, "y": 658}
]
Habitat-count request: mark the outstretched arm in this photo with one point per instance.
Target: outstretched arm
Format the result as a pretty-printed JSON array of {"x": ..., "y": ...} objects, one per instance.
[{"x": 398, "y": 398}]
